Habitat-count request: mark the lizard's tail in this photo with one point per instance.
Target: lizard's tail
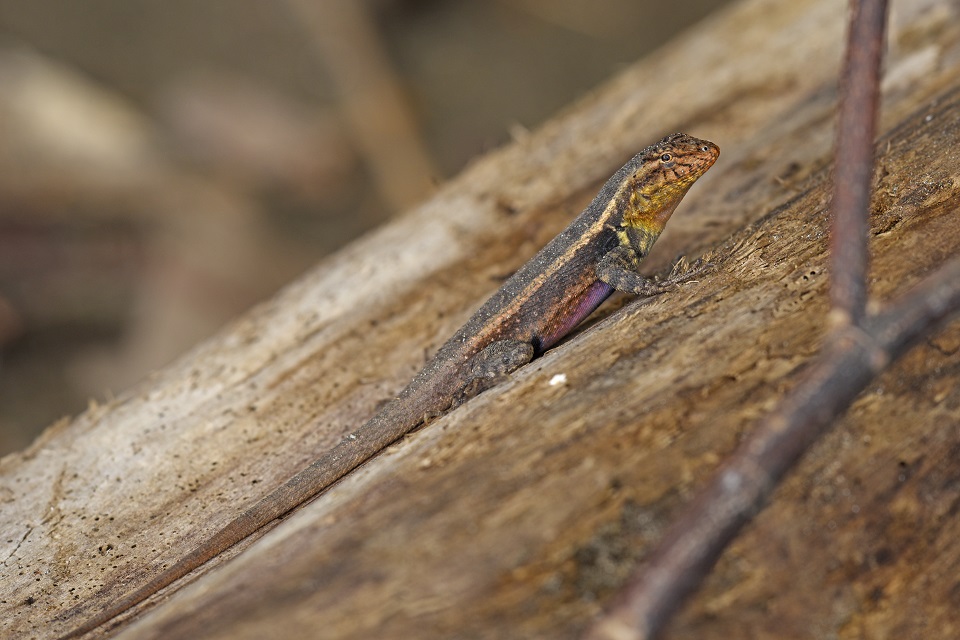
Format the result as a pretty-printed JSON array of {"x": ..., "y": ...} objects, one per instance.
[{"x": 423, "y": 397}]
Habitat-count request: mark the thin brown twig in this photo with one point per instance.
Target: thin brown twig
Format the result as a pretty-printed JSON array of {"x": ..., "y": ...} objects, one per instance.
[
  {"x": 697, "y": 538},
  {"x": 859, "y": 348},
  {"x": 853, "y": 164}
]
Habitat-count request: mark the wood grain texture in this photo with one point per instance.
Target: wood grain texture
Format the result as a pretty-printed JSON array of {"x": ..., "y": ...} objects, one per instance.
[{"x": 521, "y": 512}]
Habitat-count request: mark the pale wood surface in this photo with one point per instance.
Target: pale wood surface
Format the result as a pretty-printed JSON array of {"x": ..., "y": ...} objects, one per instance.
[{"x": 520, "y": 513}]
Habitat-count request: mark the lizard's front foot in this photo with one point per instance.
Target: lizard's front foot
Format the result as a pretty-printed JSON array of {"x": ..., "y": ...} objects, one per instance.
[
  {"x": 683, "y": 271},
  {"x": 619, "y": 269}
]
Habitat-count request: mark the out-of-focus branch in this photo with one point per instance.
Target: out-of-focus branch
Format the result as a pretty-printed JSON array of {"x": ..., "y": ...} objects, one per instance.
[{"x": 372, "y": 101}]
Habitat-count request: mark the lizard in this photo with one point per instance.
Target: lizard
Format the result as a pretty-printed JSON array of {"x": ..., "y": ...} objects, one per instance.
[{"x": 598, "y": 253}]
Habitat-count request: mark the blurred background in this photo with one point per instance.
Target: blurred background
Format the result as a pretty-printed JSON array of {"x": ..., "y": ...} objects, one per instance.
[{"x": 165, "y": 164}]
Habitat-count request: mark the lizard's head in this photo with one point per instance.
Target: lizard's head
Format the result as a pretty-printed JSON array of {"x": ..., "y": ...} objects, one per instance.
[{"x": 663, "y": 173}]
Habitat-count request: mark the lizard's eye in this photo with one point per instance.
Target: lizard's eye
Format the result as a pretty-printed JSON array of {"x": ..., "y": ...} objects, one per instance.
[{"x": 666, "y": 157}]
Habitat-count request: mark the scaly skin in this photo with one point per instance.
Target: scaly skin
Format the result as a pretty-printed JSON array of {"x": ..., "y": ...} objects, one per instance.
[{"x": 598, "y": 253}]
